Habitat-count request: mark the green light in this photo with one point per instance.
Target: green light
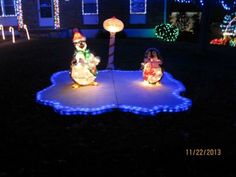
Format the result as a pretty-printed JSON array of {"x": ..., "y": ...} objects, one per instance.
[{"x": 167, "y": 32}]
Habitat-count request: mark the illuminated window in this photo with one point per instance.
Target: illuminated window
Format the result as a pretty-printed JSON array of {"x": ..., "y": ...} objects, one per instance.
[
  {"x": 90, "y": 7},
  {"x": 90, "y": 12},
  {"x": 138, "y": 11},
  {"x": 7, "y": 8},
  {"x": 138, "y": 6}
]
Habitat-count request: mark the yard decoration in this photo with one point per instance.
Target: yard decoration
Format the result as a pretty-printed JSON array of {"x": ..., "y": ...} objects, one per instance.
[
  {"x": 83, "y": 64},
  {"x": 27, "y": 32},
  {"x": 11, "y": 29},
  {"x": 167, "y": 32},
  {"x": 113, "y": 25},
  {"x": 152, "y": 70},
  {"x": 3, "y": 33}
]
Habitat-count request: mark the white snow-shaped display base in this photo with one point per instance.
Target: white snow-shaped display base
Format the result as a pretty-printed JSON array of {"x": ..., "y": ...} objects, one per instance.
[{"x": 124, "y": 90}]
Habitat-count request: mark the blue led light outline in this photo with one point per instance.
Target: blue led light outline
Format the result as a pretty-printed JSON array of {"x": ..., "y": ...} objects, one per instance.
[
  {"x": 93, "y": 13},
  {"x": 66, "y": 110},
  {"x": 3, "y": 9},
  {"x": 137, "y": 13}
]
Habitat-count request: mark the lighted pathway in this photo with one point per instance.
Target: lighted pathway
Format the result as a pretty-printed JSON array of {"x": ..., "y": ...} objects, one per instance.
[{"x": 124, "y": 90}]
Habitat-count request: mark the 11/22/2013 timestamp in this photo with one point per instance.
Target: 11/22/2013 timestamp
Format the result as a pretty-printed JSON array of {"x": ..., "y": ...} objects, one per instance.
[{"x": 203, "y": 152}]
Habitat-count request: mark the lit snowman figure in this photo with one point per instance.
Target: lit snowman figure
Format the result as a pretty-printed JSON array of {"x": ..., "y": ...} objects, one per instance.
[
  {"x": 152, "y": 70},
  {"x": 83, "y": 64}
]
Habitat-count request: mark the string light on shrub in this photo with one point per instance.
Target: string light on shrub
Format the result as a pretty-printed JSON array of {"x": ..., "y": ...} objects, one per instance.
[
  {"x": 167, "y": 32},
  {"x": 228, "y": 6},
  {"x": 229, "y": 24},
  {"x": 56, "y": 14}
]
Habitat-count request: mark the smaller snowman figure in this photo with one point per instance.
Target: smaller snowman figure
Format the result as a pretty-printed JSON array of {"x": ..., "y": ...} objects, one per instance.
[
  {"x": 83, "y": 64},
  {"x": 152, "y": 70}
]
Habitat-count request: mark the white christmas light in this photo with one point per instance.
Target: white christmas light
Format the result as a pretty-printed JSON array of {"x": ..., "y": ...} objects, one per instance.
[
  {"x": 3, "y": 33},
  {"x": 27, "y": 32},
  {"x": 11, "y": 29},
  {"x": 90, "y": 13},
  {"x": 19, "y": 13},
  {"x": 56, "y": 14}
]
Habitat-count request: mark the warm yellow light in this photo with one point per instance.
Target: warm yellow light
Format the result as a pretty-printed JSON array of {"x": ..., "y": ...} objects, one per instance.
[
  {"x": 146, "y": 84},
  {"x": 113, "y": 25}
]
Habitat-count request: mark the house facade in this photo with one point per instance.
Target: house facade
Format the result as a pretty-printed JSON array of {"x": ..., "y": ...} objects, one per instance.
[
  {"x": 83, "y": 14},
  {"x": 139, "y": 16}
]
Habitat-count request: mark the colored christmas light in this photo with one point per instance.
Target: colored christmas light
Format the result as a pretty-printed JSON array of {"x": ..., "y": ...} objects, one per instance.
[
  {"x": 227, "y": 5},
  {"x": 56, "y": 14},
  {"x": 232, "y": 42},
  {"x": 152, "y": 71},
  {"x": 167, "y": 32},
  {"x": 19, "y": 13},
  {"x": 229, "y": 24},
  {"x": 83, "y": 65}
]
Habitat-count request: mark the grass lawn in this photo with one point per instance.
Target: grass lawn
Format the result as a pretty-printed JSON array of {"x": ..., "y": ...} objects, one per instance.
[{"x": 35, "y": 141}]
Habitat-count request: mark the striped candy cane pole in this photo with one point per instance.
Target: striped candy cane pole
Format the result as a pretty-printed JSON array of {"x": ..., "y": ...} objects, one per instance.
[
  {"x": 11, "y": 29},
  {"x": 27, "y": 32},
  {"x": 110, "y": 64}
]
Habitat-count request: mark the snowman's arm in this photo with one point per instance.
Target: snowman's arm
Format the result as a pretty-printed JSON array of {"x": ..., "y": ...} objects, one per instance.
[{"x": 94, "y": 59}]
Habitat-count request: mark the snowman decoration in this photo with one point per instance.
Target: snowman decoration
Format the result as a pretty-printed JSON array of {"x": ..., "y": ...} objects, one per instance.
[
  {"x": 83, "y": 64},
  {"x": 152, "y": 70}
]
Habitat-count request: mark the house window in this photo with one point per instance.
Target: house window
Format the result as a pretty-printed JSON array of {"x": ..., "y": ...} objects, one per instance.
[
  {"x": 138, "y": 6},
  {"x": 90, "y": 12},
  {"x": 7, "y": 8},
  {"x": 90, "y": 7},
  {"x": 138, "y": 10}
]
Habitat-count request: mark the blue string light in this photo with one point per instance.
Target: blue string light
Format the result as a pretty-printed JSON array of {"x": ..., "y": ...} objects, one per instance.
[
  {"x": 201, "y": 2},
  {"x": 227, "y": 25},
  {"x": 184, "y": 105},
  {"x": 228, "y": 6},
  {"x": 183, "y": 1}
]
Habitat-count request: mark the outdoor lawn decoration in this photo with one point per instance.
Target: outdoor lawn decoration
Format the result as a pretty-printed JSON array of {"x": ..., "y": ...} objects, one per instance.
[
  {"x": 27, "y": 32},
  {"x": 83, "y": 64},
  {"x": 229, "y": 32},
  {"x": 152, "y": 70},
  {"x": 123, "y": 90},
  {"x": 112, "y": 25},
  {"x": 3, "y": 33},
  {"x": 229, "y": 25},
  {"x": 167, "y": 32},
  {"x": 11, "y": 29}
]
